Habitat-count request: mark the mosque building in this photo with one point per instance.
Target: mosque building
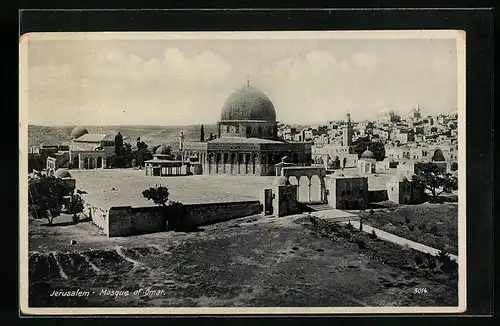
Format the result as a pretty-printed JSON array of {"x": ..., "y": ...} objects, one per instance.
[
  {"x": 89, "y": 151},
  {"x": 246, "y": 141}
]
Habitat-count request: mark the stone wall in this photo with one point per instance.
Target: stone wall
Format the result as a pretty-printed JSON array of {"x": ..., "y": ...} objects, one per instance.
[
  {"x": 204, "y": 214},
  {"x": 126, "y": 220},
  {"x": 98, "y": 215}
]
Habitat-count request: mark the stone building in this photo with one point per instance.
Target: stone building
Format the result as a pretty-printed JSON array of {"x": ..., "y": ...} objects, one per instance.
[
  {"x": 247, "y": 141},
  {"x": 366, "y": 163},
  {"x": 401, "y": 190},
  {"x": 89, "y": 151},
  {"x": 340, "y": 149},
  {"x": 163, "y": 163},
  {"x": 348, "y": 192}
]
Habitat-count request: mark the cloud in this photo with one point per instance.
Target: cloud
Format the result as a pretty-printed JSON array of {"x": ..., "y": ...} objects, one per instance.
[{"x": 365, "y": 60}]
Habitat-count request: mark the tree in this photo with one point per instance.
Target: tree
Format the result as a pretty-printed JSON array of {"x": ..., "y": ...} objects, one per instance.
[
  {"x": 118, "y": 143},
  {"x": 211, "y": 137},
  {"x": 431, "y": 178},
  {"x": 140, "y": 144},
  {"x": 35, "y": 162},
  {"x": 76, "y": 207},
  {"x": 140, "y": 156},
  {"x": 202, "y": 133},
  {"x": 159, "y": 196},
  {"x": 47, "y": 197}
]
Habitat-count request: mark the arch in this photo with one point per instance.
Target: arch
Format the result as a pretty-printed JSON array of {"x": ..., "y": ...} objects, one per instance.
[
  {"x": 316, "y": 189},
  {"x": 91, "y": 163},
  {"x": 76, "y": 162},
  {"x": 303, "y": 188},
  {"x": 86, "y": 163},
  {"x": 438, "y": 155},
  {"x": 99, "y": 162},
  {"x": 454, "y": 166}
]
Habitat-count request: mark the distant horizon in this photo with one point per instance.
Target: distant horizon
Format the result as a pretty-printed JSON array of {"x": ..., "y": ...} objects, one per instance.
[{"x": 215, "y": 123}]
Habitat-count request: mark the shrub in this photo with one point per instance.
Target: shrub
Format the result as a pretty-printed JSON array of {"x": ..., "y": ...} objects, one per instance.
[
  {"x": 411, "y": 227},
  {"x": 361, "y": 243},
  {"x": 422, "y": 227},
  {"x": 372, "y": 212},
  {"x": 419, "y": 260},
  {"x": 431, "y": 262},
  {"x": 349, "y": 226},
  {"x": 434, "y": 230},
  {"x": 373, "y": 235},
  {"x": 443, "y": 256}
]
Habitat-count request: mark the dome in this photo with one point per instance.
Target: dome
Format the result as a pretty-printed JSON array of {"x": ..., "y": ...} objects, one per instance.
[
  {"x": 248, "y": 103},
  {"x": 164, "y": 150},
  {"x": 78, "y": 132},
  {"x": 281, "y": 181},
  {"x": 367, "y": 154},
  {"x": 62, "y": 173}
]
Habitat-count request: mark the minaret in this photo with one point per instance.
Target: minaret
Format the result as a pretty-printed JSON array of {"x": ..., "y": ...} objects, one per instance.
[
  {"x": 248, "y": 81},
  {"x": 347, "y": 131},
  {"x": 181, "y": 141}
]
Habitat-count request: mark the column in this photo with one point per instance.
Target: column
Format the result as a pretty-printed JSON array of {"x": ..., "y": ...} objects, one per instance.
[
  {"x": 239, "y": 163},
  {"x": 298, "y": 187},
  {"x": 322, "y": 190},
  {"x": 309, "y": 189}
]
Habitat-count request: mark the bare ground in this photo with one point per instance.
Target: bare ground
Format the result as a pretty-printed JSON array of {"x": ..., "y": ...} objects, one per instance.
[{"x": 253, "y": 261}]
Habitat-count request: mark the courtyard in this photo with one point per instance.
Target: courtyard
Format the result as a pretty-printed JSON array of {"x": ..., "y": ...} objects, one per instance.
[{"x": 123, "y": 187}]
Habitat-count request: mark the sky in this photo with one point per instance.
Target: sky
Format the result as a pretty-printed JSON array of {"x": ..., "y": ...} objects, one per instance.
[{"x": 186, "y": 81}]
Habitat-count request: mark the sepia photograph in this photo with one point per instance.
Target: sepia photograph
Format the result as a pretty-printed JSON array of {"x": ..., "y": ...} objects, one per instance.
[{"x": 242, "y": 172}]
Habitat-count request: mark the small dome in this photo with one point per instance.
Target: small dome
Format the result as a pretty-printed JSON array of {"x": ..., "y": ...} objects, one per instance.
[
  {"x": 163, "y": 150},
  {"x": 62, "y": 173},
  {"x": 78, "y": 132},
  {"x": 281, "y": 181},
  {"x": 367, "y": 154},
  {"x": 248, "y": 103}
]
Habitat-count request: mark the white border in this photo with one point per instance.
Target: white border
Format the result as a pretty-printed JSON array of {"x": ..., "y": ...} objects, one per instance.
[{"x": 458, "y": 35}]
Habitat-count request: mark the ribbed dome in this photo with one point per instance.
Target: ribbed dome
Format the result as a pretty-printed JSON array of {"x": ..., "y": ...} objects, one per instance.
[
  {"x": 248, "y": 103},
  {"x": 62, "y": 173},
  {"x": 78, "y": 132},
  {"x": 367, "y": 154}
]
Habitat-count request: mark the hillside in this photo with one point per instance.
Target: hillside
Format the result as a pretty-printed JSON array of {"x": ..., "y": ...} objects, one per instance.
[{"x": 152, "y": 135}]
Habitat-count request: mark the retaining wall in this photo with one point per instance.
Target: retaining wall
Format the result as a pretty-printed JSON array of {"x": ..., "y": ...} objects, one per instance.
[{"x": 127, "y": 220}]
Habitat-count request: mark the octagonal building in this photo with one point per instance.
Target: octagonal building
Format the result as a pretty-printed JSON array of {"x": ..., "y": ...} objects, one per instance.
[{"x": 247, "y": 141}]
